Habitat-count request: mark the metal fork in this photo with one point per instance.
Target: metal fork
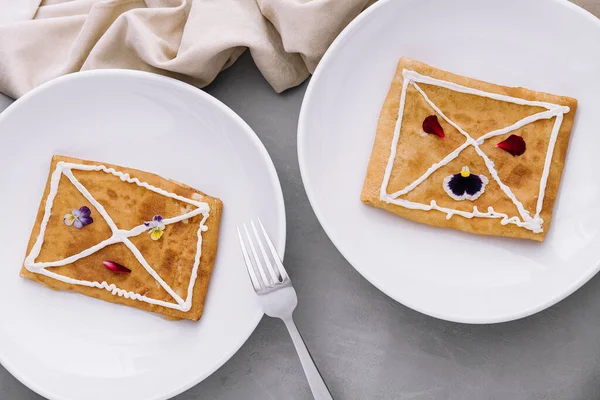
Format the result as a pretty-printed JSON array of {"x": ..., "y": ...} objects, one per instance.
[{"x": 277, "y": 297}]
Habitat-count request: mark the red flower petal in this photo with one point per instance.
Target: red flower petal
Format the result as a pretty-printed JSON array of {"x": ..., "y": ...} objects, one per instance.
[
  {"x": 116, "y": 267},
  {"x": 432, "y": 125},
  {"x": 514, "y": 144}
]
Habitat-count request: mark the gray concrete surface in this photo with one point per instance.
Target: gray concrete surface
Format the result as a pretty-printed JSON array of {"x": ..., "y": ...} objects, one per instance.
[{"x": 367, "y": 345}]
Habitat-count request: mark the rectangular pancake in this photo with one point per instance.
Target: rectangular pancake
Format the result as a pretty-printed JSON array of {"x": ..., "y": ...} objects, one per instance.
[
  {"x": 417, "y": 186},
  {"x": 176, "y": 264}
]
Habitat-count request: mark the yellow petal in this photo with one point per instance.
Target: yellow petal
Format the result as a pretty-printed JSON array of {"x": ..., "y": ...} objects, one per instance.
[{"x": 156, "y": 234}]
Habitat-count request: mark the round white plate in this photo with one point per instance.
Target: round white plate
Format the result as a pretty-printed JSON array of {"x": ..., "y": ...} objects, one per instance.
[
  {"x": 70, "y": 347},
  {"x": 547, "y": 45}
]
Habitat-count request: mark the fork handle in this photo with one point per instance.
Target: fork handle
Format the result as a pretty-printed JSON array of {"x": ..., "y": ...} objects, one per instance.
[{"x": 315, "y": 380}]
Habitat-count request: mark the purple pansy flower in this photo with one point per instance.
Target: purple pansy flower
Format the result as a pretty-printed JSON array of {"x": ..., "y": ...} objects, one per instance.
[
  {"x": 79, "y": 218},
  {"x": 156, "y": 226},
  {"x": 465, "y": 185}
]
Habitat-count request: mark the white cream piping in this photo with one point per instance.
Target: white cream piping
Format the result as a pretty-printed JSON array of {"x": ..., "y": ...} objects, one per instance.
[
  {"x": 390, "y": 165},
  {"x": 416, "y": 77}
]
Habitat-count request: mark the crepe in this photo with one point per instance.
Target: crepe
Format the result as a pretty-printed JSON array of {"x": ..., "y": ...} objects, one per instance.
[
  {"x": 456, "y": 152},
  {"x": 124, "y": 236}
]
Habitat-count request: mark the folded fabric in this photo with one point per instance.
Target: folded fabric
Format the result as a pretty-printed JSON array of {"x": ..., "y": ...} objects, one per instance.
[{"x": 185, "y": 39}]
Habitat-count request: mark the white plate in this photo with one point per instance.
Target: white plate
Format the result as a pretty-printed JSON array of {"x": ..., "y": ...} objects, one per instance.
[
  {"x": 546, "y": 45},
  {"x": 70, "y": 347}
]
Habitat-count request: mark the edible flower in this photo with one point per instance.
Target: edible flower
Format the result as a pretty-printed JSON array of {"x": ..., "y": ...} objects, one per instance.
[
  {"x": 79, "y": 218},
  {"x": 514, "y": 144},
  {"x": 116, "y": 267},
  {"x": 157, "y": 227},
  {"x": 432, "y": 126},
  {"x": 465, "y": 185}
]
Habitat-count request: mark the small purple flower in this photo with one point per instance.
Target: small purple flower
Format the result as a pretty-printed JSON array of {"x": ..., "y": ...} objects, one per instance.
[
  {"x": 79, "y": 218},
  {"x": 156, "y": 226},
  {"x": 155, "y": 221}
]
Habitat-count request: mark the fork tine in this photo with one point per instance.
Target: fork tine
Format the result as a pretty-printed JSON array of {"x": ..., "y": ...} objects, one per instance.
[
  {"x": 259, "y": 265},
  {"x": 249, "y": 266},
  {"x": 275, "y": 276},
  {"x": 274, "y": 253}
]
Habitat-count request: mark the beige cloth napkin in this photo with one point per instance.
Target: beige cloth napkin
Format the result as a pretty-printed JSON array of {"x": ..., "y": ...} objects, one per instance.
[{"x": 192, "y": 40}]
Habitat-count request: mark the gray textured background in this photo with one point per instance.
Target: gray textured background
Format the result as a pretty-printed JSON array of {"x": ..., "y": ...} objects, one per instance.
[{"x": 367, "y": 345}]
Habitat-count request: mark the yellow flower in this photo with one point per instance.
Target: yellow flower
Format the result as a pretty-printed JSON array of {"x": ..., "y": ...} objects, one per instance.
[{"x": 156, "y": 226}]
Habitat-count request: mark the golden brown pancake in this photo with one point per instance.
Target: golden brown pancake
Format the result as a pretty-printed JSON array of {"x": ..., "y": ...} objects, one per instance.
[
  {"x": 157, "y": 256},
  {"x": 470, "y": 155}
]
